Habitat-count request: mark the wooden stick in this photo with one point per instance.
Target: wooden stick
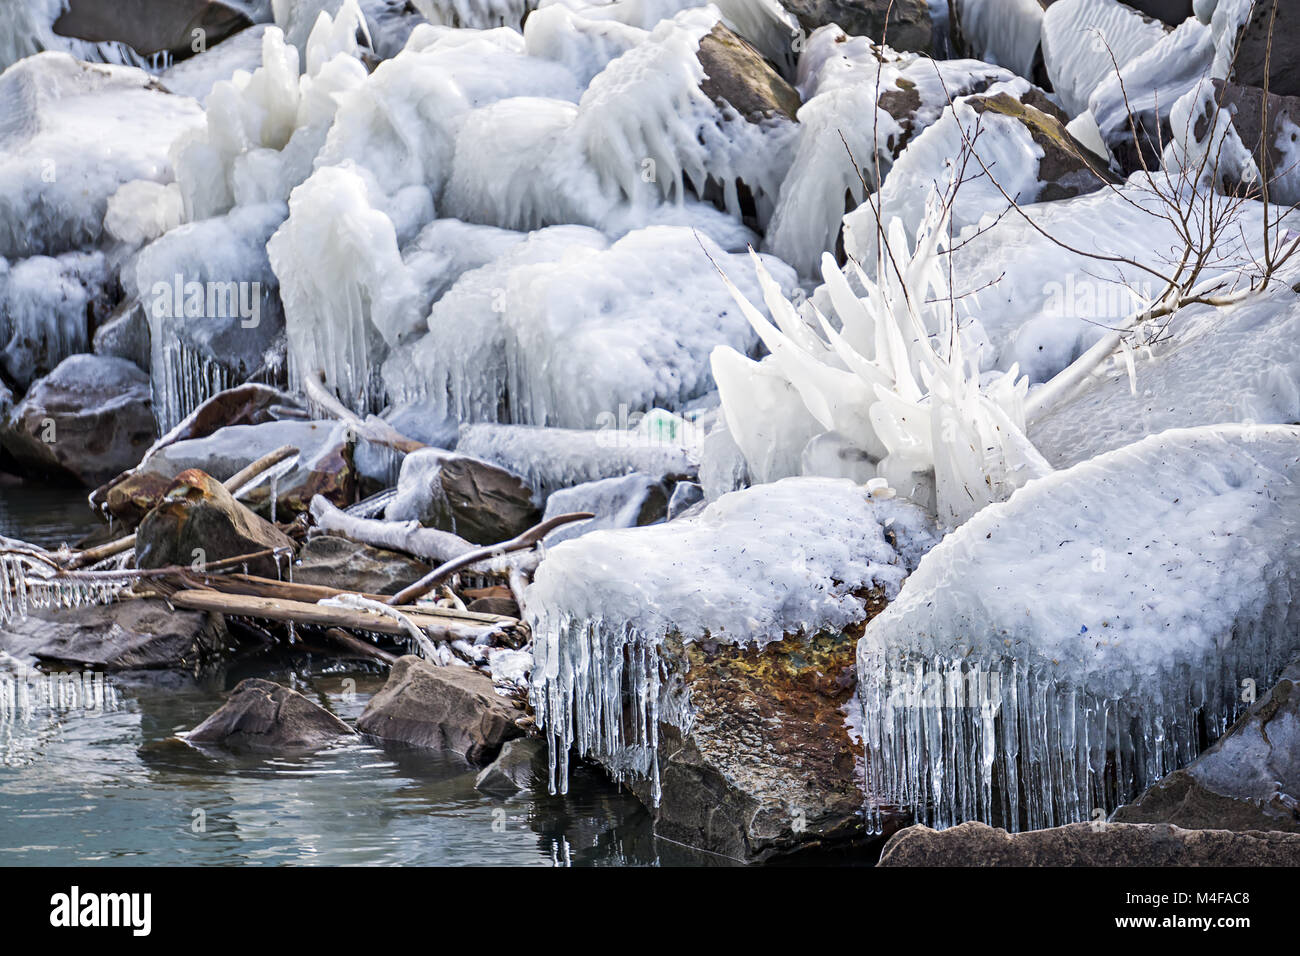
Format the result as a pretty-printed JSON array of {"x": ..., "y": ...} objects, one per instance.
[
  {"x": 437, "y": 625},
  {"x": 234, "y": 483},
  {"x": 359, "y": 647},
  {"x": 521, "y": 543}
]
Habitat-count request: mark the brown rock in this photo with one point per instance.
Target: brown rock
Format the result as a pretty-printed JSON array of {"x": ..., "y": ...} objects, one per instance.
[
  {"x": 339, "y": 562},
  {"x": 152, "y": 26},
  {"x": 263, "y": 716},
  {"x": 1253, "y": 52},
  {"x": 736, "y": 74},
  {"x": 1087, "y": 844},
  {"x": 199, "y": 520},
  {"x": 442, "y": 708}
]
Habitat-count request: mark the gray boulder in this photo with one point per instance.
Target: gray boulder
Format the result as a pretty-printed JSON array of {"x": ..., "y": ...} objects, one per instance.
[
  {"x": 88, "y": 420},
  {"x": 142, "y": 634},
  {"x": 521, "y": 763},
  {"x": 441, "y": 708},
  {"x": 263, "y": 716},
  {"x": 1248, "y": 780},
  {"x": 339, "y": 562}
]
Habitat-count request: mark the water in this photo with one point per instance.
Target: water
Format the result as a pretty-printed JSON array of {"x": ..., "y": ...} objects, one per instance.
[{"x": 114, "y": 785}]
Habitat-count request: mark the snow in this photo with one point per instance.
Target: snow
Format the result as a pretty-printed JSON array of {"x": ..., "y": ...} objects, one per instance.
[
  {"x": 564, "y": 329},
  {"x": 1097, "y": 612},
  {"x": 554, "y": 458},
  {"x": 792, "y": 557},
  {"x": 1239, "y": 363},
  {"x": 70, "y": 135}
]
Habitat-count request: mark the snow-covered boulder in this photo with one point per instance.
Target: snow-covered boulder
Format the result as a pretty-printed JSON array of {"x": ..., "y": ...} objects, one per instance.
[
  {"x": 1086, "y": 40},
  {"x": 793, "y": 558},
  {"x": 1061, "y": 650},
  {"x": 1237, "y": 363},
  {"x": 71, "y": 133},
  {"x": 840, "y": 155}
]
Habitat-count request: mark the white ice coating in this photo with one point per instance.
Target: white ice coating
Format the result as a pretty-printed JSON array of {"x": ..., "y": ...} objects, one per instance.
[
  {"x": 70, "y": 134},
  {"x": 1085, "y": 40},
  {"x": 554, "y": 458},
  {"x": 844, "y": 79},
  {"x": 1006, "y": 32},
  {"x": 792, "y": 557},
  {"x": 565, "y": 328},
  {"x": 615, "y": 502},
  {"x": 475, "y": 14},
  {"x": 44, "y": 302},
  {"x": 1238, "y": 363},
  {"x": 1065, "y": 649}
]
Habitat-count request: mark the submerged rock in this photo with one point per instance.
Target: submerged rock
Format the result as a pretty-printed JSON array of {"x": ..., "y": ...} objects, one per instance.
[
  {"x": 519, "y": 766},
  {"x": 441, "y": 708},
  {"x": 1248, "y": 780},
  {"x": 263, "y": 716},
  {"x": 339, "y": 562},
  {"x": 199, "y": 522},
  {"x": 85, "y": 422},
  {"x": 128, "y": 635},
  {"x": 1086, "y": 844}
]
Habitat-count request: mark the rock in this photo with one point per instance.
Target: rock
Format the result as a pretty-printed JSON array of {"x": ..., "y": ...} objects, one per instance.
[
  {"x": 442, "y": 708},
  {"x": 199, "y": 520},
  {"x": 249, "y": 404},
  {"x": 88, "y": 420},
  {"x": 1270, "y": 143},
  {"x": 482, "y": 502},
  {"x": 521, "y": 763},
  {"x": 685, "y": 495},
  {"x": 506, "y": 607},
  {"x": 153, "y": 26},
  {"x": 1087, "y": 844},
  {"x": 1253, "y": 49},
  {"x": 137, "y": 634},
  {"x": 737, "y": 75},
  {"x": 1248, "y": 780},
  {"x": 628, "y": 501},
  {"x": 1066, "y": 167},
  {"x": 1172, "y": 12},
  {"x": 768, "y": 767},
  {"x": 263, "y": 716},
  {"x": 908, "y": 28},
  {"x": 338, "y": 562},
  {"x": 324, "y": 467},
  {"x": 125, "y": 335}
]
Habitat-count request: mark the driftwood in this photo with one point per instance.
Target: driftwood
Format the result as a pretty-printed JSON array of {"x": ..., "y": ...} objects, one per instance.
[
  {"x": 234, "y": 483},
  {"x": 408, "y": 537},
  {"x": 431, "y": 620},
  {"x": 374, "y": 430},
  {"x": 523, "y": 542},
  {"x": 357, "y": 646}
]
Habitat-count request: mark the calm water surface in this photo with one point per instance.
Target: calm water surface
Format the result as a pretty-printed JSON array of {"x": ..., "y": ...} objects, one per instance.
[{"x": 113, "y": 784}]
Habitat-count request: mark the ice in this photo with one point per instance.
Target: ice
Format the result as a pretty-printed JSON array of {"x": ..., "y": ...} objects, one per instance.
[
  {"x": 1006, "y": 32},
  {"x": 1084, "y": 41},
  {"x": 895, "y": 381},
  {"x": 347, "y": 295},
  {"x": 582, "y": 44},
  {"x": 197, "y": 75},
  {"x": 1065, "y": 649},
  {"x": 554, "y": 458},
  {"x": 878, "y": 101},
  {"x": 476, "y": 14},
  {"x": 792, "y": 557},
  {"x": 70, "y": 135},
  {"x": 649, "y": 131},
  {"x": 45, "y": 306},
  {"x": 620, "y": 502},
  {"x": 563, "y": 330},
  {"x": 212, "y": 341},
  {"x": 1238, "y": 363}
]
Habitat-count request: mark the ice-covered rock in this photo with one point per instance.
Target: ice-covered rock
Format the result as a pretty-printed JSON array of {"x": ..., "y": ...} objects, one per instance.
[
  {"x": 1019, "y": 148},
  {"x": 213, "y": 306},
  {"x": 840, "y": 156},
  {"x": 1237, "y": 363},
  {"x": 565, "y": 329},
  {"x": 1006, "y": 32},
  {"x": 174, "y": 28},
  {"x": 1084, "y": 41},
  {"x": 480, "y": 501},
  {"x": 793, "y": 557},
  {"x": 197, "y": 75},
  {"x": 628, "y": 501},
  {"x": 1065, "y": 649},
  {"x": 910, "y": 25},
  {"x": 47, "y": 306},
  {"x": 71, "y": 133},
  {"x": 555, "y": 458},
  {"x": 27, "y": 27},
  {"x": 1245, "y": 46}
]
